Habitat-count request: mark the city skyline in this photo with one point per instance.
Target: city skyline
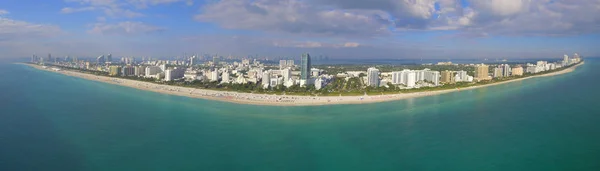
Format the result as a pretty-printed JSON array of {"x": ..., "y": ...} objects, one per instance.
[{"x": 340, "y": 29}]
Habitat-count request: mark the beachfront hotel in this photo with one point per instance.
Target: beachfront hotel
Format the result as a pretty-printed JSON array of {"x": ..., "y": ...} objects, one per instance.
[{"x": 481, "y": 72}]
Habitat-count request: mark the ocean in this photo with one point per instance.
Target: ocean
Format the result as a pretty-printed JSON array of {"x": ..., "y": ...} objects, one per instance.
[{"x": 49, "y": 121}]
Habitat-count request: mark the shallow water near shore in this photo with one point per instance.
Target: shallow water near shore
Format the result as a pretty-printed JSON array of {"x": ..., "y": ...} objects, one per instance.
[{"x": 51, "y": 121}]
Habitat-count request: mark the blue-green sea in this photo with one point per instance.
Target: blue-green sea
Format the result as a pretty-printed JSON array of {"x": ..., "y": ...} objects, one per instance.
[{"x": 50, "y": 122}]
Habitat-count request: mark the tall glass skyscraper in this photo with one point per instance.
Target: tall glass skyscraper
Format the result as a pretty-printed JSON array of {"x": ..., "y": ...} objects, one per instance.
[
  {"x": 100, "y": 60},
  {"x": 305, "y": 67},
  {"x": 109, "y": 58}
]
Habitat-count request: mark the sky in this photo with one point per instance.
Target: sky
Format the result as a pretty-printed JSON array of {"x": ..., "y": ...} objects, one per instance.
[{"x": 398, "y": 29}]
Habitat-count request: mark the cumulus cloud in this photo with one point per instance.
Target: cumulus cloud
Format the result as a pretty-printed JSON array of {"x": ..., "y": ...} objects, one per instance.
[
  {"x": 407, "y": 14},
  {"x": 535, "y": 18},
  {"x": 124, "y": 28},
  {"x": 359, "y": 18},
  {"x": 502, "y": 8},
  {"x": 294, "y": 16}
]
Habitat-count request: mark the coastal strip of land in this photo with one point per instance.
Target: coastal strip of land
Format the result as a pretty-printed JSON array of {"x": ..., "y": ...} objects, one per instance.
[{"x": 274, "y": 100}]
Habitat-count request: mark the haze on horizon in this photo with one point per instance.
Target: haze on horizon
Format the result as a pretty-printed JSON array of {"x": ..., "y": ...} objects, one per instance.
[{"x": 336, "y": 28}]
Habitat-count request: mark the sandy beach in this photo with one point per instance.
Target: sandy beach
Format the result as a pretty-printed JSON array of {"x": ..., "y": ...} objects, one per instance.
[{"x": 273, "y": 100}]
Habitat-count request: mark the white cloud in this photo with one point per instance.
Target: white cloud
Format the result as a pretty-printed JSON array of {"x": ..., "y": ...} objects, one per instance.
[
  {"x": 124, "y": 28},
  {"x": 17, "y": 37},
  {"x": 146, "y": 3},
  {"x": 359, "y": 18},
  {"x": 117, "y": 8},
  {"x": 408, "y": 14},
  {"x": 351, "y": 44},
  {"x": 313, "y": 44},
  {"x": 534, "y": 18},
  {"x": 118, "y": 12},
  {"x": 294, "y": 16},
  {"x": 14, "y": 29},
  {"x": 68, "y": 10},
  {"x": 3, "y": 12},
  {"x": 501, "y": 8}
]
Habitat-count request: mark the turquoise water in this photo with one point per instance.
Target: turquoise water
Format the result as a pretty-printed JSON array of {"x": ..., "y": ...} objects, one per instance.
[{"x": 54, "y": 122}]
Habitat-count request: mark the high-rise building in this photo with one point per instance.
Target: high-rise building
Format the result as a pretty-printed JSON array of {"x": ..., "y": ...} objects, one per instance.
[
  {"x": 447, "y": 77},
  {"x": 462, "y": 76},
  {"x": 192, "y": 59},
  {"x": 128, "y": 71},
  {"x": 114, "y": 70},
  {"x": 506, "y": 70},
  {"x": 151, "y": 71},
  {"x": 175, "y": 73},
  {"x": 34, "y": 59},
  {"x": 482, "y": 72},
  {"x": 140, "y": 71},
  {"x": 109, "y": 58},
  {"x": 266, "y": 79},
  {"x": 517, "y": 71},
  {"x": 163, "y": 67},
  {"x": 225, "y": 77},
  {"x": 282, "y": 64},
  {"x": 214, "y": 76},
  {"x": 409, "y": 78},
  {"x": 305, "y": 67},
  {"x": 286, "y": 73},
  {"x": 314, "y": 72},
  {"x": 498, "y": 72},
  {"x": 565, "y": 60},
  {"x": 373, "y": 77},
  {"x": 100, "y": 60},
  {"x": 216, "y": 60}
]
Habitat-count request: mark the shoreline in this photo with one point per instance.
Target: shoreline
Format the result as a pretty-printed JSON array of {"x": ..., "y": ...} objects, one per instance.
[{"x": 274, "y": 100}]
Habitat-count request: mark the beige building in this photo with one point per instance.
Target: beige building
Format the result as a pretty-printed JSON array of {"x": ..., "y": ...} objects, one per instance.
[
  {"x": 447, "y": 77},
  {"x": 497, "y": 72},
  {"x": 517, "y": 71},
  {"x": 114, "y": 70},
  {"x": 482, "y": 72}
]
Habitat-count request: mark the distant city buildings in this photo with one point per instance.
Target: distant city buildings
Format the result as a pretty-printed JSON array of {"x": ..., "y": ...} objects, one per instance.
[
  {"x": 275, "y": 74},
  {"x": 286, "y": 64}
]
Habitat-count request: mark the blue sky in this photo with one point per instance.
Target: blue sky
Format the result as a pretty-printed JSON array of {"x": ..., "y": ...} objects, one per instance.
[{"x": 336, "y": 28}]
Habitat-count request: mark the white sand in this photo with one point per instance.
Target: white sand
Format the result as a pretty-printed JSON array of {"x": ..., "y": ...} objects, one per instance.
[{"x": 273, "y": 100}]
